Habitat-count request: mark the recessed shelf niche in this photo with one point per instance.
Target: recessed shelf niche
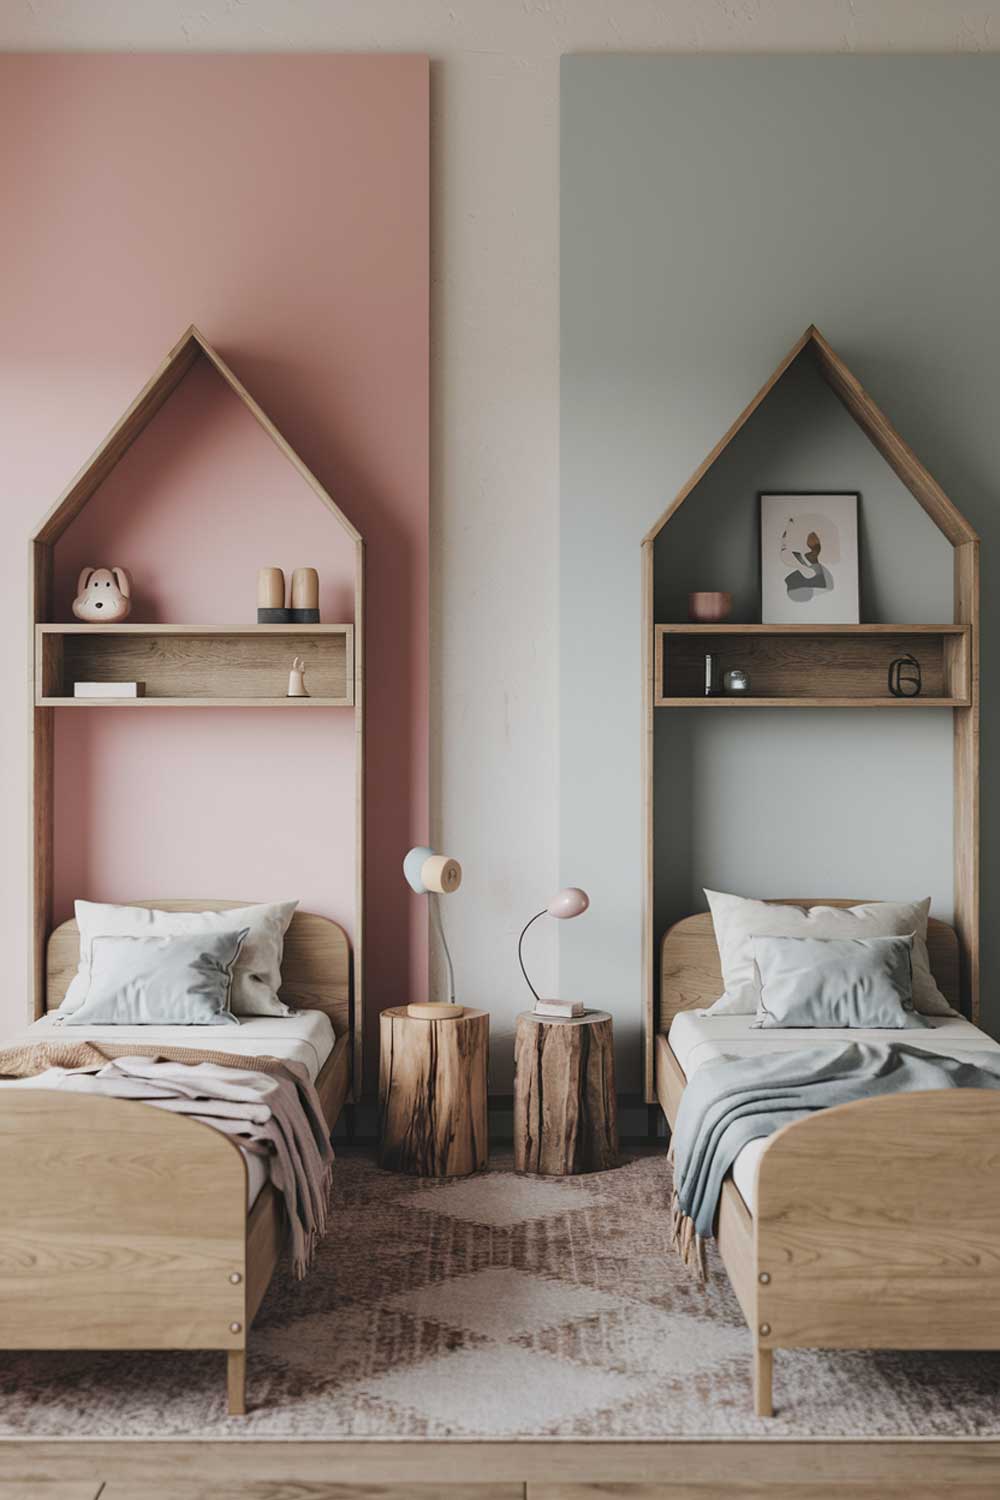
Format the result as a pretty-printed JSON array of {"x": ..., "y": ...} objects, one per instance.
[
  {"x": 797, "y": 666},
  {"x": 195, "y": 666}
]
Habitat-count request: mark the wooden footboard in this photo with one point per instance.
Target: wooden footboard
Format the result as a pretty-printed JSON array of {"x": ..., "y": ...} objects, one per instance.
[
  {"x": 877, "y": 1226},
  {"x": 123, "y": 1227},
  {"x": 126, "y": 1227}
]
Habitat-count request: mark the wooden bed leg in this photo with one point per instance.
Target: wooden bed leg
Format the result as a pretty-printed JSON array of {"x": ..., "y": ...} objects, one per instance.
[
  {"x": 237, "y": 1381},
  {"x": 763, "y": 1371}
]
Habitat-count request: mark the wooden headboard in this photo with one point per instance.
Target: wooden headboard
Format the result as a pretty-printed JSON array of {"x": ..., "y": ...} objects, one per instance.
[
  {"x": 691, "y": 975},
  {"x": 315, "y": 968}
]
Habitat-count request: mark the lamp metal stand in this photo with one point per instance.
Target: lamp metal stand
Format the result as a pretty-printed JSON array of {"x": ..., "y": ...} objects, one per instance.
[
  {"x": 439, "y": 1010},
  {"x": 520, "y": 953}
]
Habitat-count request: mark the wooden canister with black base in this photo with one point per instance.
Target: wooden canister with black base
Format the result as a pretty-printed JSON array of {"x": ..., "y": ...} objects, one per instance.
[
  {"x": 305, "y": 597},
  {"x": 271, "y": 597}
]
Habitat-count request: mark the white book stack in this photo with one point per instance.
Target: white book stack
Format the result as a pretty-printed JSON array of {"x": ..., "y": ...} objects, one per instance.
[
  {"x": 109, "y": 690},
  {"x": 568, "y": 1009}
]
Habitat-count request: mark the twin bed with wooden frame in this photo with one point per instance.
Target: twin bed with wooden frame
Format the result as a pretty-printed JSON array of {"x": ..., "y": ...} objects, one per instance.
[
  {"x": 875, "y": 1225},
  {"x": 127, "y": 1227}
]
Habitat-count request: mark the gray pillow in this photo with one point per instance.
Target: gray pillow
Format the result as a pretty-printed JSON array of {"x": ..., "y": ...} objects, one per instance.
[
  {"x": 161, "y": 981},
  {"x": 853, "y": 982},
  {"x": 257, "y": 976}
]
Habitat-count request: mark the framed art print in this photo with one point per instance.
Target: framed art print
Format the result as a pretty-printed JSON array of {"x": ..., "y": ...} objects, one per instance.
[{"x": 809, "y": 559}]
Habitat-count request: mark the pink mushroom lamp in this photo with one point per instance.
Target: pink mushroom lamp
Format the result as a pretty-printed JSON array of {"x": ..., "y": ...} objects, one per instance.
[{"x": 570, "y": 902}]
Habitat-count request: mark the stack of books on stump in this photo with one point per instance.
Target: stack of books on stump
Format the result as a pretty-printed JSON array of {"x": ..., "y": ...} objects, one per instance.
[{"x": 569, "y": 1010}]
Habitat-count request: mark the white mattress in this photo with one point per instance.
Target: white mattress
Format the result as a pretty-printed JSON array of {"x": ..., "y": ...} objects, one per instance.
[
  {"x": 306, "y": 1038},
  {"x": 696, "y": 1039}
]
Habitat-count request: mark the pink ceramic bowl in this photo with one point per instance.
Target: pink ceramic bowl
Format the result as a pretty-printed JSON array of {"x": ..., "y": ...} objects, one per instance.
[{"x": 709, "y": 608}]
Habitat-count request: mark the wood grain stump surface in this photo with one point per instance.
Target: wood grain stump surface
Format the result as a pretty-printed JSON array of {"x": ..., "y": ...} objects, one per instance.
[
  {"x": 432, "y": 1093},
  {"x": 565, "y": 1112}
]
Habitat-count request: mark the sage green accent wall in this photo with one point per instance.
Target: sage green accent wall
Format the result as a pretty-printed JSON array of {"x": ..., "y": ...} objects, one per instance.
[{"x": 711, "y": 209}]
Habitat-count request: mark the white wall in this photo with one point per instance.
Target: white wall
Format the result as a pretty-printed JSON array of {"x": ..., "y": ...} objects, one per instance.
[{"x": 495, "y": 491}]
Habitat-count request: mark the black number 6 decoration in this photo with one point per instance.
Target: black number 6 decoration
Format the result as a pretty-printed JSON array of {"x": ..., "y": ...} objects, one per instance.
[{"x": 905, "y": 680}]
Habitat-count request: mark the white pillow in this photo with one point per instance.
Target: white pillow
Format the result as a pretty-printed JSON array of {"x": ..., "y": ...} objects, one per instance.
[
  {"x": 161, "y": 981},
  {"x": 257, "y": 976},
  {"x": 738, "y": 920}
]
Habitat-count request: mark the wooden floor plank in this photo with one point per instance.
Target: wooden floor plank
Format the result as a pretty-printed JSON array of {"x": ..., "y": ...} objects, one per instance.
[
  {"x": 886, "y": 1466},
  {"x": 292, "y": 1490},
  {"x": 761, "y": 1491},
  {"x": 28, "y": 1489}
]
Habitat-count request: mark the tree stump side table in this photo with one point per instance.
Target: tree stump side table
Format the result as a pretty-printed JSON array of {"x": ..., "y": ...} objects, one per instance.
[
  {"x": 432, "y": 1093},
  {"x": 565, "y": 1112}
]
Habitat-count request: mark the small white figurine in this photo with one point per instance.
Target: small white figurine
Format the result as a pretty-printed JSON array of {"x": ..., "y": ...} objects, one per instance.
[{"x": 296, "y": 683}]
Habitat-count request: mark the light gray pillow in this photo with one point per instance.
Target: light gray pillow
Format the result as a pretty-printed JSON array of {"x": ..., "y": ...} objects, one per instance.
[
  {"x": 257, "y": 977},
  {"x": 738, "y": 919},
  {"x": 161, "y": 981},
  {"x": 853, "y": 982}
]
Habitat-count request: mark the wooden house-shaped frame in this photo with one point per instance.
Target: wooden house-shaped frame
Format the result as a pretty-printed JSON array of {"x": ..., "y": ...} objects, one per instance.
[
  {"x": 188, "y": 666},
  {"x": 851, "y": 658}
]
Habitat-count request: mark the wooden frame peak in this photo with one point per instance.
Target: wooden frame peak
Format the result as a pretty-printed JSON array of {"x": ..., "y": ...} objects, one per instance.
[
  {"x": 191, "y": 347},
  {"x": 873, "y": 423}
]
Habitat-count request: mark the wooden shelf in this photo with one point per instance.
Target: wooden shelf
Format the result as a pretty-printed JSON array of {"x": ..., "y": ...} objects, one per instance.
[
  {"x": 195, "y": 666},
  {"x": 191, "y": 702},
  {"x": 76, "y": 628},
  {"x": 731, "y": 627},
  {"x": 787, "y": 663},
  {"x": 723, "y": 701}
]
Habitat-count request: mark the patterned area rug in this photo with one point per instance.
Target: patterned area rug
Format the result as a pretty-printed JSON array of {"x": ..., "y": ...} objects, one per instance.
[{"x": 500, "y": 1306}]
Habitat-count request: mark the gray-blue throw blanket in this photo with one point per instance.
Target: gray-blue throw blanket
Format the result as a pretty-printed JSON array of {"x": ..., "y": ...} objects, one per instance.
[{"x": 730, "y": 1103}]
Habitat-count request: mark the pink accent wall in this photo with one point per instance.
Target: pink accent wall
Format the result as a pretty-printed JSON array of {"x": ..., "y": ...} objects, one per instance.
[{"x": 281, "y": 203}]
